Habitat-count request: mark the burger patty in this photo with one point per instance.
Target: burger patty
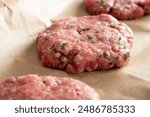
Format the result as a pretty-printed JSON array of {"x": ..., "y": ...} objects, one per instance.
[
  {"x": 121, "y": 9},
  {"x": 33, "y": 87},
  {"x": 85, "y": 44}
]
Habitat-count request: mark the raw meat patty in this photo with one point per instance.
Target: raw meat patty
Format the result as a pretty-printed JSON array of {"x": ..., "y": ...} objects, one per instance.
[
  {"x": 121, "y": 9},
  {"x": 33, "y": 87},
  {"x": 85, "y": 44}
]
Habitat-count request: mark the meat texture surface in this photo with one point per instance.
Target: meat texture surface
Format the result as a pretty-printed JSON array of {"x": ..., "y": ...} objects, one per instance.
[
  {"x": 86, "y": 43},
  {"x": 33, "y": 87},
  {"x": 121, "y": 9}
]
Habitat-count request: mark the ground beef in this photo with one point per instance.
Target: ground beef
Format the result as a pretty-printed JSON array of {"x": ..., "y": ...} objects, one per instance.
[
  {"x": 33, "y": 87},
  {"x": 85, "y": 44},
  {"x": 121, "y": 9}
]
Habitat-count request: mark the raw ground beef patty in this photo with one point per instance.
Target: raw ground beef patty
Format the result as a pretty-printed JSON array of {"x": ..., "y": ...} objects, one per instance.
[
  {"x": 121, "y": 9},
  {"x": 33, "y": 87},
  {"x": 85, "y": 44}
]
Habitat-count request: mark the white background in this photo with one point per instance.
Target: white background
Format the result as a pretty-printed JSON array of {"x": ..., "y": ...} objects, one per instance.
[{"x": 7, "y": 108}]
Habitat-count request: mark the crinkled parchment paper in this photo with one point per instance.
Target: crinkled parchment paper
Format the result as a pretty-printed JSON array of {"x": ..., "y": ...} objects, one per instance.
[{"x": 20, "y": 22}]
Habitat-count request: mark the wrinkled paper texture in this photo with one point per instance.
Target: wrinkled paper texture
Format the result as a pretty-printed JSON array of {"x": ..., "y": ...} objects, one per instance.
[{"x": 20, "y": 22}]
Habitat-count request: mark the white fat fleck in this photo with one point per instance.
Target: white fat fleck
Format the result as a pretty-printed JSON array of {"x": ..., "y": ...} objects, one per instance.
[
  {"x": 95, "y": 67},
  {"x": 80, "y": 58},
  {"x": 44, "y": 34},
  {"x": 81, "y": 69},
  {"x": 115, "y": 48},
  {"x": 57, "y": 55},
  {"x": 88, "y": 68},
  {"x": 99, "y": 51},
  {"x": 48, "y": 88},
  {"x": 53, "y": 82},
  {"x": 65, "y": 59},
  {"x": 58, "y": 33},
  {"x": 13, "y": 90},
  {"x": 50, "y": 36}
]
